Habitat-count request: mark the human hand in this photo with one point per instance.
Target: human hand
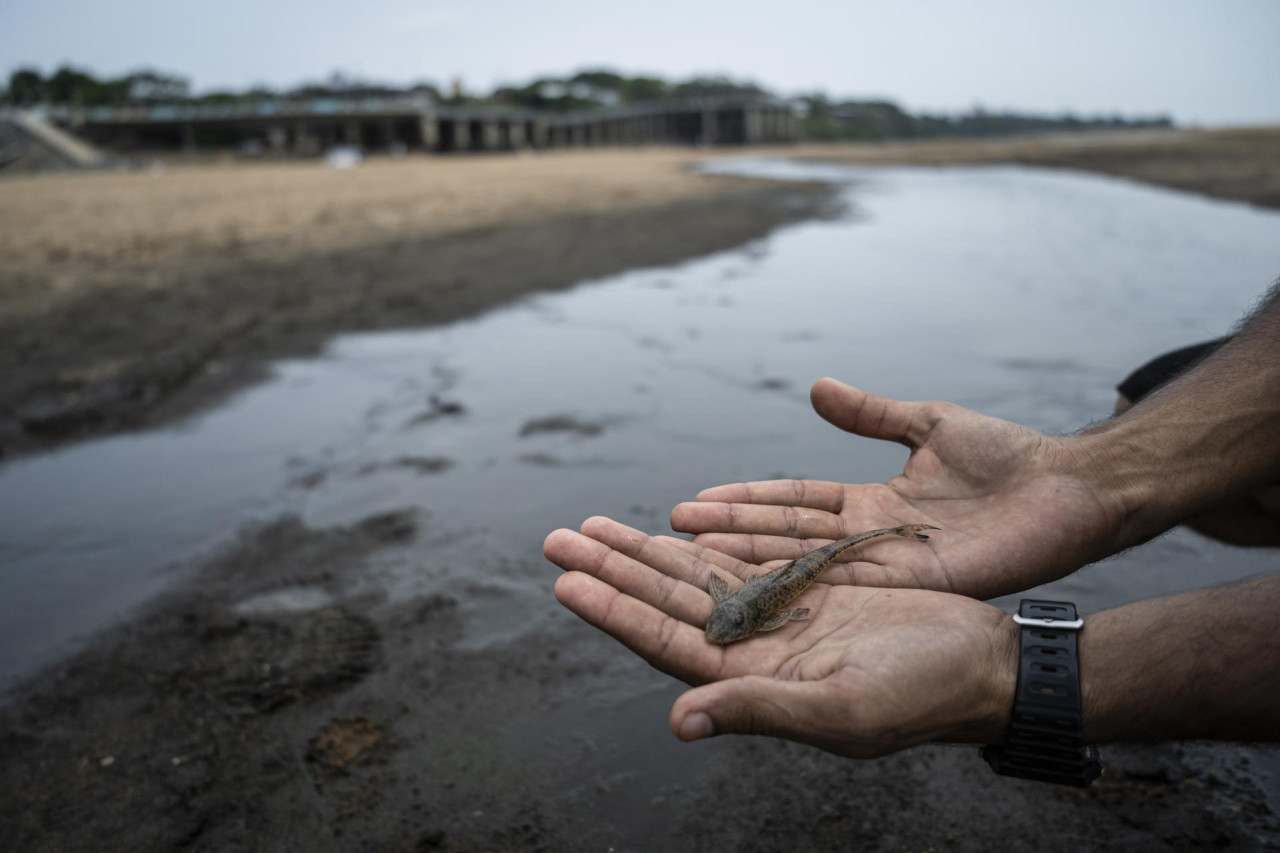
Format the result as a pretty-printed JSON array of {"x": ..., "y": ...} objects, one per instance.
[
  {"x": 871, "y": 672},
  {"x": 1015, "y": 508}
]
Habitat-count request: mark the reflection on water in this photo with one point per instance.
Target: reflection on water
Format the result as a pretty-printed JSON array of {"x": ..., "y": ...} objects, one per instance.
[{"x": 1023, "y": 294}]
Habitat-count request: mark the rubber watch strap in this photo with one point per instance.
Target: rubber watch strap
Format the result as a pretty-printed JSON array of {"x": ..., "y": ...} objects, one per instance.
[{"x": 1044, "y": 741}]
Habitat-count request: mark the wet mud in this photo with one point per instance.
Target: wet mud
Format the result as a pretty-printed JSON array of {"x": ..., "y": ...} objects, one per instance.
[{"x": 270, "y": 705}]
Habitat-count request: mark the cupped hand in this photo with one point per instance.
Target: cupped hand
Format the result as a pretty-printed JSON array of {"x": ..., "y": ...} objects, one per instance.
[
  {"x": 1015, "y": 508},
  {"x": 872, "y": 671}
]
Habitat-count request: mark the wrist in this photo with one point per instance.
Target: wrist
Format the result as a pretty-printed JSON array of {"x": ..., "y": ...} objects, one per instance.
[
  {"x": 1002, "y": 678},
  {"x": 1128, "y": 484},
  {"x": 987, "y": 714},
  {"x": 1045, "y": 737}
]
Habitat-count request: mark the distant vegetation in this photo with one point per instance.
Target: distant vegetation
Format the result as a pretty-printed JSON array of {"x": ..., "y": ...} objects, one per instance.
[{"x": 822, "y": 118}]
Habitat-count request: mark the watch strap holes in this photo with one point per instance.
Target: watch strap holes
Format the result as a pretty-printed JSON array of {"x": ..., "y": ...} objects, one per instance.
[{"x": 1044, "y": 688}]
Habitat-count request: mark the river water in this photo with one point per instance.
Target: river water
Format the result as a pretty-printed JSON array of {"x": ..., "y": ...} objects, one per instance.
[{"x": 1021, "y": 293}]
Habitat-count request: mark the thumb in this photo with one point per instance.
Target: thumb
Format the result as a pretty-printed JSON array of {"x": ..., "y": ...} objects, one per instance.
[
  {"x": 867, "y": 414},
  {"x": 752, "y": 704}
]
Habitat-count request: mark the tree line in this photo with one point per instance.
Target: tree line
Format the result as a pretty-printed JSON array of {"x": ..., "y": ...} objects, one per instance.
[
  {"x": 876, "y": 120},
  {"x": 593, "y": 89}
]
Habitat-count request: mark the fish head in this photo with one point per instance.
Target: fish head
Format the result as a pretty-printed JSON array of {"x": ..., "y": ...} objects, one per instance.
[{"x": 729, "y": 622}]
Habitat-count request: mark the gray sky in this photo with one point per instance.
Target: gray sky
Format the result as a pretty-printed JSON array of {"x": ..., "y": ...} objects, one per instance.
[{"x": 1200, "y": 61}]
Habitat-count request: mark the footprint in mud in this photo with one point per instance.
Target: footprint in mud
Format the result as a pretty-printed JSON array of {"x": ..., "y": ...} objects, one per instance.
[
  {"x": 341, "y": 742},
  {"x": 257, "y": 665},
  {"x": 548, "y": 460},
  {"x": 544, "y": 460},
  {"x": 388, "y": 527},
  {"x": 772, "y": 383},
  {"x": 438, "y": 408},
  {"x": 562, "y": 423},
  {"x": 310, "y": 480},
  {"x": 417, "y": 464}
]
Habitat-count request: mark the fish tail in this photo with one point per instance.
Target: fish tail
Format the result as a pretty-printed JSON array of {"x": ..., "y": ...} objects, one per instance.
[
  {"x": 906, "y": 531},
  {"x": 912, "y": 531}
]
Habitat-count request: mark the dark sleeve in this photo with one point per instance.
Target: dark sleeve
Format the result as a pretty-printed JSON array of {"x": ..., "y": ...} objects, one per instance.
[{"x": 1163, "y": 368}]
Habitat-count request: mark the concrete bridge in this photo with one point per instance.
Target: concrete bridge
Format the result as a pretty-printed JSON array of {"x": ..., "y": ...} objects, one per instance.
[{"x": 307, "y": 126}]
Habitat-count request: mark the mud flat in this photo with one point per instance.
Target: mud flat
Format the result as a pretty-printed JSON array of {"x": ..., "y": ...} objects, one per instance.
[
  {"x": 120, "y": 290},
  {"x": 268, "y": 706}
]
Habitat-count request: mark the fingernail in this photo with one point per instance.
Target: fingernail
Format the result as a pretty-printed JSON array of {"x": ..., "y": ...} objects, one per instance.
[{"x": 695, "y": 727}]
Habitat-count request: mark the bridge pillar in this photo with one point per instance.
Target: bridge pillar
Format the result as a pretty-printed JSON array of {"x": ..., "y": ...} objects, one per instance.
[
  {"x": 461, "y": 135},
  {"x": 517, "y": 134},
  {"x": 538, "y": 131},
  {"x": 188, "y": 136},
  {"x": 429, "y": 127},
  {"x": 752, "y": 126},
  {"x": 351, "y": 132},
  {"x": 277, "y": 138},
  {"x": 304, "y": 141}
]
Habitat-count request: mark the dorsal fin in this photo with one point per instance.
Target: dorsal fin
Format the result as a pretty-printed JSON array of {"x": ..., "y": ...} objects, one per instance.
[{"x": 718, "y": 587}]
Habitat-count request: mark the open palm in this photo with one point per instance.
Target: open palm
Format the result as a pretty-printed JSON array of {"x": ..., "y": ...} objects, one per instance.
[
  {"x": 873, "y": 670},
  {"x": 1011, "y": 515}
]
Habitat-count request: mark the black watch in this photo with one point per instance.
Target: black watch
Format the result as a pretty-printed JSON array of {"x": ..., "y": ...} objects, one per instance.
[{"x": 1044, "y": 742}]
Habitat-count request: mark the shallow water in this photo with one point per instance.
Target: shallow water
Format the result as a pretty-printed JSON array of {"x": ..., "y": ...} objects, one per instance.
[{"x": 1024, "y": 294}]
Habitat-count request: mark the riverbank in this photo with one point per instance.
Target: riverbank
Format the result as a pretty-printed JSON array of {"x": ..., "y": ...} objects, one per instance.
[
  {"x": 127, "y": 298},
  {"x": 1240, "y": 164}
]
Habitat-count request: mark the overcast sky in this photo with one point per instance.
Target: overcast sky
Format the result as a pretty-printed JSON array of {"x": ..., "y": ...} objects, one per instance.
[{"x": 1200, "y": 61}]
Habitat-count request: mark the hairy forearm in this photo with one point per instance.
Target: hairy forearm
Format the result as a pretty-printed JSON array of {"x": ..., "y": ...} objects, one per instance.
[
  {"x": 1204, "y": 664},
  {"x": 1209, "y": 435}
]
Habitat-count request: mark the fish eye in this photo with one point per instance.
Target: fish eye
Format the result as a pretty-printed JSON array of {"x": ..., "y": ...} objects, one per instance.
[{"x": 740, "y": 619}]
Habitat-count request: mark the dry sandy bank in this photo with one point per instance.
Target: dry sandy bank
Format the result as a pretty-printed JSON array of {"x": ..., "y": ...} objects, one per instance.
[{"x": 1241, "y": 164}]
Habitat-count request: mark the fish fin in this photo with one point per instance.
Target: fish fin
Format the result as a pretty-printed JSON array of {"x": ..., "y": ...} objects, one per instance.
[
  {"x": 799, "y": 614},
  {"x": 718, "y": 587},
  {"x": 752, "y": 578},
  {"x": 776, "y": 621}
]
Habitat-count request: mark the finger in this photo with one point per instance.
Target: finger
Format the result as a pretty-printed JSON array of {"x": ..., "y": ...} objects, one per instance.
[
  {"x": 573, "y": 551},
  {"x": 870, "y": 415},
  {"x": 731, "y": 565},
  {"x": 755, "y": 705},
  {"x": 798, "y": 522},
  {"x": 669, "y": 644},
  {"x": 657, "y": 552},
  {"x": 814, "y": 494},
  {"x": 753, "y": 549}
]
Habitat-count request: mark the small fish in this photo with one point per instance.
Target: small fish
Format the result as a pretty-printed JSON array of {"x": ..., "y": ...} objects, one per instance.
[{"x": 761, "y": 604}]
